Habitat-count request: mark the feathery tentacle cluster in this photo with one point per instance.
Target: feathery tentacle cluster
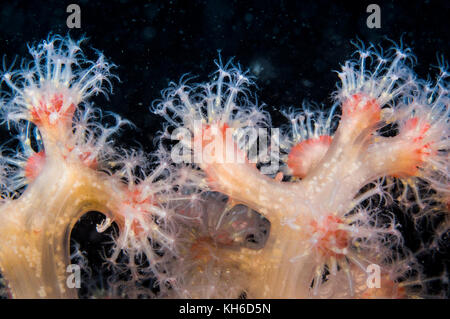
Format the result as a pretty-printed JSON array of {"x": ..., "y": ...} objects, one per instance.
[{"x": 220, "y": 223}]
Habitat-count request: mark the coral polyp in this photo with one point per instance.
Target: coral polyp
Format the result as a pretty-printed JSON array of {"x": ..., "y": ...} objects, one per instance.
[
  {"x": 69, "y": 175},
  {"x": 205, "y": 216}
]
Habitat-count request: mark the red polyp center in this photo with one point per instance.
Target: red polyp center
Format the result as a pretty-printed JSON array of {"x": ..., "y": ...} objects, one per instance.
[
  {"x": 415, "y": 129},
  {"x": 307, "y": 154},
  {"x": 362, "y": 108},
  {"x": 330, "y": 238},
  {"x": 51, "y": 112},
  {"x": 214, "y": 144},
  {"x": 135, "y": 198},
  {"x": 210, "y": 137},
  {"x": 136, "y": 203},
  {"x": 414, "y": 149},
  {"x": 34, "y": 165},
  {"x": 84, "y": 156},
  {"x": 210, "y": 132}
]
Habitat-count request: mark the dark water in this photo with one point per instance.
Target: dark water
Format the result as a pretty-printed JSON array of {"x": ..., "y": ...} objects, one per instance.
[{"x": 292, "y": 46}]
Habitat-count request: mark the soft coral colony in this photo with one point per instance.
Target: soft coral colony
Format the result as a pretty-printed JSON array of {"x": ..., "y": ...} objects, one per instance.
[{"x": 217, "y": 228}]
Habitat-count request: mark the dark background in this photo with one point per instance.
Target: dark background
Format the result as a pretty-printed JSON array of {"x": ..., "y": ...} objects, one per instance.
[{"x": 291, "y": 46}]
